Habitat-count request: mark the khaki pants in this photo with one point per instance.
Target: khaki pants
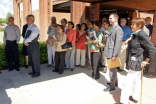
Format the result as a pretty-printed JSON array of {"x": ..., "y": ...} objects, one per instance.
[
  {"x": 123, "y": 55},
  {"x": 51, "y": 54},
  {"x": 80, "y": 57}
]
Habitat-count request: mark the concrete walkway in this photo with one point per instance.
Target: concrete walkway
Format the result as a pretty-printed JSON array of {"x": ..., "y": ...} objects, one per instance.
[{"x": 75, "y": 87}]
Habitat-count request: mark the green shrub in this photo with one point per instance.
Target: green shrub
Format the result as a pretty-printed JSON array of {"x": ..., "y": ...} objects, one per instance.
[
  {"x": 1, "y": 28},
  {"x": 43, "y": 55}
]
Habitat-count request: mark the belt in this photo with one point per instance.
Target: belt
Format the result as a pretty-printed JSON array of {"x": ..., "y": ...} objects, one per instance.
[
  {"x": 11, "y": 40},
  {"x": 32, "y": 42}
]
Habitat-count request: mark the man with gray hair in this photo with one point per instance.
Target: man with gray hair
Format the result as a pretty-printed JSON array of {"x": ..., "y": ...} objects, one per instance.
[
  {"x": 10, "y": 42},
  {"x": 127, "y": 34},
  {"x": 50, "y": 48},
  {"x": 31, "y": 41}
]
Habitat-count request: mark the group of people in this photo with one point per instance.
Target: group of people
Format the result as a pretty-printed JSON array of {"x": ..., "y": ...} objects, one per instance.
[{"x": 92, "y": 41}]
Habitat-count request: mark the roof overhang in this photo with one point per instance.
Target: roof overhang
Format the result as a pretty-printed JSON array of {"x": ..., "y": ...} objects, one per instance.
[
  {"x": 62, "y": 7},
  {"x": 140, "y": 5}
]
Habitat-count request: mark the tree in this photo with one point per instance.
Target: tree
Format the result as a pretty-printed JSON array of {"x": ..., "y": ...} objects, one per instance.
[
  {"x": 7, "y": 16},
  {"x": 2, "y": 21}
]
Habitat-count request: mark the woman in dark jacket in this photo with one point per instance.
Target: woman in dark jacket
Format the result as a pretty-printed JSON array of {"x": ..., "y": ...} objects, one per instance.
[
  {"x": 136, "y": 62},
  {"x": 24, "y": 49}
]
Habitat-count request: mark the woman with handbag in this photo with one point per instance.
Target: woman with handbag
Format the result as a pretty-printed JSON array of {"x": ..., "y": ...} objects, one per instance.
[
  {"x": 59, "y": 40},
  {"x": 71, "y": 37},
  {"x": 135, "y": 62},
  {"x": 81, "y": 46},
  {"x": 94, "y": 41}
]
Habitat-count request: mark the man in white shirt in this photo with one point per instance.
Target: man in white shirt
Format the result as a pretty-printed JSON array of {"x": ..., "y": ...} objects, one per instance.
[
  {"x": 10, "y": 42},
  {"x": 31, "y": 40}
]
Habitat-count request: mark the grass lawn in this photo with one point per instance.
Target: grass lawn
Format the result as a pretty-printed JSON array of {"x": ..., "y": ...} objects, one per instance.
[{"x": 1, "y": 37}]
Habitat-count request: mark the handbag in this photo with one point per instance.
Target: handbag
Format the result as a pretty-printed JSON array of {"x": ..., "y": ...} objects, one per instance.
[{"x": 66, "y": 45}]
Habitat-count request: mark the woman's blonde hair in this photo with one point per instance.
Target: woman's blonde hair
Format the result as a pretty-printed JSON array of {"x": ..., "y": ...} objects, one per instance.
[{"x": 139, "y": 22}]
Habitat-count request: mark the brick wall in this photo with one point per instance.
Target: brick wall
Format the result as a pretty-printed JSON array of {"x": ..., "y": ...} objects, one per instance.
[
  {"x": 45, "y": 13},
  {"x": 16, "y": 12},
  {"x": 26, "y": 9},
  {"x": 77, "y": 12},
  {"x": 60, "y": 15},
  {"x": 94, "y": 12}
]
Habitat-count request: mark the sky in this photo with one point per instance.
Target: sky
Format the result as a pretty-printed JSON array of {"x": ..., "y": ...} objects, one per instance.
[{"x": 7, "y": 6}]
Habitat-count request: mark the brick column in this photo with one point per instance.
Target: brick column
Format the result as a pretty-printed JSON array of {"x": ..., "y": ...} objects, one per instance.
[
  {"x": 153, "y": 39},
  {"x": 27, "y": 9},
  {"x": 45, "y": 13},
  {"x": 95, "y": 12},
  {"x": 133, "y": 15},
  {"x": 87, "y": 10},
  {"x": 77, "y": 12},
  {"x": 16, "y": 13}
]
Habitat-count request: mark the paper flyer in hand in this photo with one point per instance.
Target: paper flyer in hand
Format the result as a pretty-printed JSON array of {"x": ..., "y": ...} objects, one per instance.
[
  {"x": 93, "y": 35},
  {"x": 54, "y": 37}
]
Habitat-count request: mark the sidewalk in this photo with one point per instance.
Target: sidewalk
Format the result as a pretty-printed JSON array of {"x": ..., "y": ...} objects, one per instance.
[{"x": 75, "y": 87}]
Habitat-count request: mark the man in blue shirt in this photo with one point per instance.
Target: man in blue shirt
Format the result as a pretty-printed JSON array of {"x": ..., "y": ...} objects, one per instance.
[
  {"x": 127, "y": 34},
  {"x": 148, "y": 25}
]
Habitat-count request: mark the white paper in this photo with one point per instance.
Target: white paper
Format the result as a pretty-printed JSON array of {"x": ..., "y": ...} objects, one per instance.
[
  {"x": 93, "y": 34},
  {"x": 54, "y": 37},
  {"x": 87, "y": 38}
]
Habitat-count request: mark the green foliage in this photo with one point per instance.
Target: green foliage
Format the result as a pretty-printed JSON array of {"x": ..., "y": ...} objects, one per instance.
[
  {"x": 2, "y": 20},
  {"x": 43, "y": 55},
  {"x": 7, "y": 16},
  {"x": 2, "y": 28}
]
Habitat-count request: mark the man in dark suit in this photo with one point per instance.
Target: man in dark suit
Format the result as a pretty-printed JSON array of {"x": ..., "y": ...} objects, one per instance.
[{"x": 113, "y": 46}]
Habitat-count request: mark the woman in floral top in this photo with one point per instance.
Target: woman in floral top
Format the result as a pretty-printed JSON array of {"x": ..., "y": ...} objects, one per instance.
[{"x": 95, "y": 50}]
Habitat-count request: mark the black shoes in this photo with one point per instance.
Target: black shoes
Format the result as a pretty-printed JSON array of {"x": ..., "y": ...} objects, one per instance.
[
  {"x": 66, "y": 68},
  {"x": 48, "y": 66},
  {"x": 108, "y": 89},
  {"x": 35, "y": 75},
  {"x": 77, "y": 65},
  {"x": 17, "y": 69},
  {"x": 30, "y": 73},
  {"x": 10, "y": 69},
  {"x": 13, "y": 69},
  {"x": 131, "y": 98},
  {"x": 60, "y": 72},
  {"x": 0, "y": 72},
  {"x": 72, "y": 69},
  {"x": 55, "y": 71},
  {"x": 116, "y": 84},
  {"x": 26, "y": 66}
]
